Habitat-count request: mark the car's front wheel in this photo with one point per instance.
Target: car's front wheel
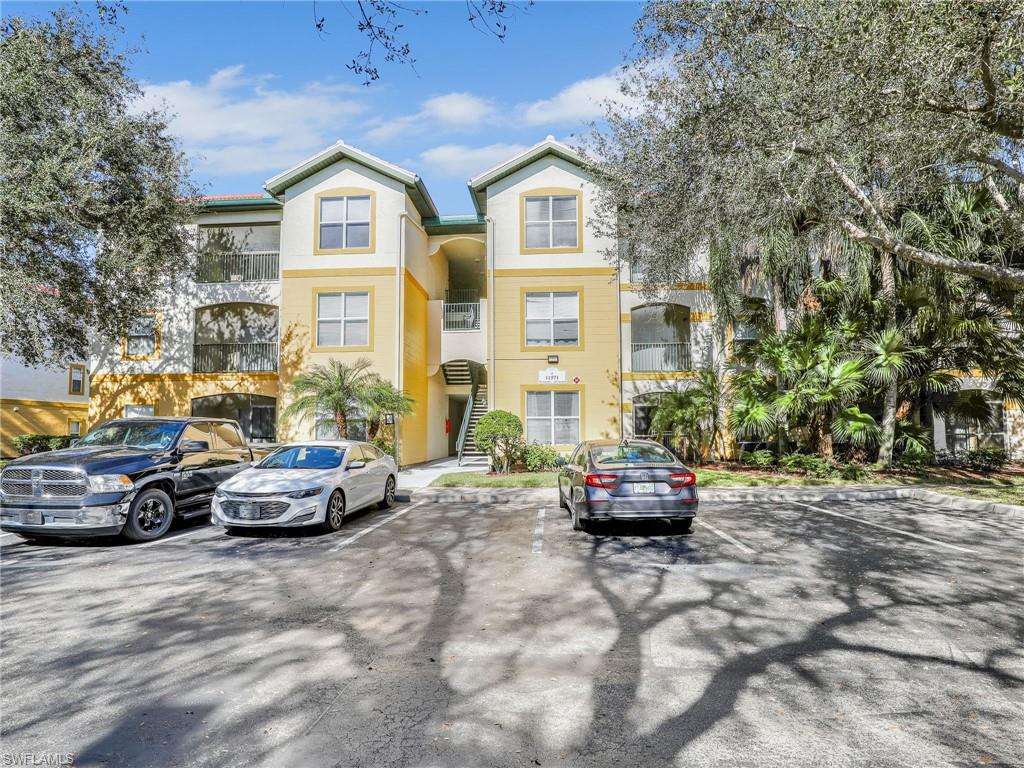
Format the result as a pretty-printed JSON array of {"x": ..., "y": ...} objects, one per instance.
[
  {"x": 335, "y": 516},
  {"x": 149, "y": 516},
  {"x": 389, "y": 494}
]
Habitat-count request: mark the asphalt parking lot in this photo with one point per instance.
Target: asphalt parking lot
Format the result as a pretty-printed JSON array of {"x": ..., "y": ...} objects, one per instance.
[{"x": 874, "y": 634}]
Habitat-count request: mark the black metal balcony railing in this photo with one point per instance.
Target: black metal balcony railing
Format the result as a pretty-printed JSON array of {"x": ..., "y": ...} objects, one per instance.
[
  {"x": 662, "y": 357},
  {"x": 237, "y": 267},
  {"x": 235, "y": 358},
  {"x": 464, "y": 316}
]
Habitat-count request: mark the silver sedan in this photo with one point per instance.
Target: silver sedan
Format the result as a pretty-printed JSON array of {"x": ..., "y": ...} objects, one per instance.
[{"x": 304, "y": 484}]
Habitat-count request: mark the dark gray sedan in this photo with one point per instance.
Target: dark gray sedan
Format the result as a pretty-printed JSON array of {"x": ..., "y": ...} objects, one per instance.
[{"x": 627, "y": 480}]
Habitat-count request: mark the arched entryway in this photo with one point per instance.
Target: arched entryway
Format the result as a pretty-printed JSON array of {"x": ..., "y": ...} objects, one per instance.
[{"x": 256, "y": 414}]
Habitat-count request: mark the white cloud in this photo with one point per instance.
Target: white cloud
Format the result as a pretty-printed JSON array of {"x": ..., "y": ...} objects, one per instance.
[
  {"x": 463, "y": 161},
  {"x": 235, "y": 123},
  {"x": 576, "y": 103},
  {"x": 451, "y": 111}
]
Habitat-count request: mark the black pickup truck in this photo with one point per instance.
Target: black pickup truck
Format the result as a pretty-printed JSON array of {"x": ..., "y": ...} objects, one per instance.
[{"x": 129, "y": 477}]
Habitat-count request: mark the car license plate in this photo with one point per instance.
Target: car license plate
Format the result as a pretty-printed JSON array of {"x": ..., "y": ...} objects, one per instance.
[
  {"x": 31, "y": 517},
  {"x": 249, "y": 511},
  {"x": 643, "y": 487}
]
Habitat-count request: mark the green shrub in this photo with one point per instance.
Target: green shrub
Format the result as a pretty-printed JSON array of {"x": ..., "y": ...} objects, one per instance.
[
  {"x": 854, "y": 471},
  {"x": 539, "y": 458},
  {"x": 805, "y": 464},
  {"x": 985, "y": 459},
  {"x": 26, "y": 444},
  {"x": 762, "y": 458},
  {"x": 499, "y": 434},
  {"x": 62, "y": 441}
]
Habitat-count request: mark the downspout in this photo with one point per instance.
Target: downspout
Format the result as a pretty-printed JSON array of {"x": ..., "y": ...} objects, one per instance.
[
  {"x": 490, "y": 310},
  {"x": 400, "y": 324},
  {"x": 618, "y": 327}
]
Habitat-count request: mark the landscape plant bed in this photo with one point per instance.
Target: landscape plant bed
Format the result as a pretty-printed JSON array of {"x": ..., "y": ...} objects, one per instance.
[{"x": 1005, "y": 485}]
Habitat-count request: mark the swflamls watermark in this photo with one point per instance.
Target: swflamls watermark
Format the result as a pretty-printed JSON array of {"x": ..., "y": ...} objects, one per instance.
[{"x": 47, "y": 759}]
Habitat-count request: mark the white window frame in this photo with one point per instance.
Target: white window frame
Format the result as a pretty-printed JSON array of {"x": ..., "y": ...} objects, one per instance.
[
  {"x": 551, "y": 319},
  {"x": 551, "y": 221},
  {"x": 345, "y": 222},
  {"x": 152, "y": 335},
  {"x": 80, "y": 370},
  {"x": 344, "y": 319},
  {"x": 74, "y": 433},
  {"x": 552, "y": 418},
  {"x": 148, "y": 407}
]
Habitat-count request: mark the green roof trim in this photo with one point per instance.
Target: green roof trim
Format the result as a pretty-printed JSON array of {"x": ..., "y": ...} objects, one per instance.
[
  {"x": 464, "y": 224},
  {"x": 414, "y": 185},
  {"x": 478, "y": 184},
  {"x": 241, "y": 204}
]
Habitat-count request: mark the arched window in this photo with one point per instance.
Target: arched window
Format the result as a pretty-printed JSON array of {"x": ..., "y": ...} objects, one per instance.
[{"x": 660, "y": 337}]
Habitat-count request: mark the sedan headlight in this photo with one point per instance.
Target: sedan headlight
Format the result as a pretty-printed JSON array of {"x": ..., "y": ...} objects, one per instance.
[
  {"x": 110, "y": 483},
  {"x": 305, "y": 494}
]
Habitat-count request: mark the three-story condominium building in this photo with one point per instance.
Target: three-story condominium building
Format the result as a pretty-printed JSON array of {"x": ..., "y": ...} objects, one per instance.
[{"x": 345, "y": 256}]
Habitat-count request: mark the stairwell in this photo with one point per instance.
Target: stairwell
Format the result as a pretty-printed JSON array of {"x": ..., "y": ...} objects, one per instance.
[{"x": 470, "y": 454}]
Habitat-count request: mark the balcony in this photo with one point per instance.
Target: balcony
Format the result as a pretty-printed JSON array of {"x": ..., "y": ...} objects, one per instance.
[
  {"x": 247, "y": 267},
  {"x": 250, "y": 357},
  {"x": 463, "y": 316},
  {"x": 661, "y": 357}
]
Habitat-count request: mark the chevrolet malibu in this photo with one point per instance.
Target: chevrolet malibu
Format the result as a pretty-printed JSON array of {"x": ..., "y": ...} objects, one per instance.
[
  {"x": 306, "y": 484},
  {"x": 627, "y": 480}
]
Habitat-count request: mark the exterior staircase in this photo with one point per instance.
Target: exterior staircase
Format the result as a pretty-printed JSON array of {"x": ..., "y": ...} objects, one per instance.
[
  {"x": 457, "y": 372},
  {"x": 470, "y": 454}
]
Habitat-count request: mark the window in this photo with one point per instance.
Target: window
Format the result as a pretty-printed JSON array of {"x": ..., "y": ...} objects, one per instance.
[
  {"x": 227, "y": 435},
  {"x": 372, "y": 453},
  {"x": 343, "y": 319},
  {"x": 141, "y": 341},
  {"x": 327, "y": 427},
  {"x": 197, "y": 432},
  {"x": 551, "y": 221},
  {"x": 74, "y": 428},
  {"x": 344, "y": 222},
  {"x": 552, "y": 319},
  {"x": 139, "y": 410},
  {"x": 553, "y": 417},
  {"x": 76, "y": 380}
]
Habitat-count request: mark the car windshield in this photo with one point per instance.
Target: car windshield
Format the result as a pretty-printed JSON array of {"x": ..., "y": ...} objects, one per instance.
[
  {"x": 631, "y": 453},
  {"x": 150, "y": 435},
  {"x": 303, "y": 457}
]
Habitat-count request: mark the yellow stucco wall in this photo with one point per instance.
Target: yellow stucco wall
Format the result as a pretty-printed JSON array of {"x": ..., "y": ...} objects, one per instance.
[
  {"x": 595, "y": 363},
  {"x": 298, "y": 312},
  {"x": 170, "y": 393},
  {"x": 20, "y": 417},
  {"x": 414, "y": 427}
]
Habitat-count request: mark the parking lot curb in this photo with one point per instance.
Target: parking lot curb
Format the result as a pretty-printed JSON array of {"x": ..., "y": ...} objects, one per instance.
[
  {"x": 718, "y": 494},
  {"x": 485, "y": 495}
]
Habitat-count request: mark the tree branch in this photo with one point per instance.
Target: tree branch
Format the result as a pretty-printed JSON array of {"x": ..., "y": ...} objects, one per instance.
[
  {"x": 1000, "y": 165},
  {"x": 888, "y": 244}
]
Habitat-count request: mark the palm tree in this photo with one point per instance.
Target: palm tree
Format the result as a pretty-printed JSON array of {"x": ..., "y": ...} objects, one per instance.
[
  {"x": 384, "y": 397},
  {"x": 336, "y": 391},
  {"x": 693, "y": 417}
]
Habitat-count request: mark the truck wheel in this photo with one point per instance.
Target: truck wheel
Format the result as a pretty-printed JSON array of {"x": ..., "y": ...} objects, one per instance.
[{"x": 149, "y": 516}]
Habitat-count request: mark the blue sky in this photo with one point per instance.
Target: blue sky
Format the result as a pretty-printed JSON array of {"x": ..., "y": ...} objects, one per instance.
[{"x": 257, "y": 89}]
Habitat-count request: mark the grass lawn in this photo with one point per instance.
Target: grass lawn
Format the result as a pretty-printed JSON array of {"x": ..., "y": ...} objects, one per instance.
[{"x": 1006, "y": 486}]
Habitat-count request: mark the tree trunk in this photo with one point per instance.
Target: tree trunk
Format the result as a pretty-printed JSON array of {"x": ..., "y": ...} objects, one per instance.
[
  {"x": 372, "y": 429},
  {"x": 342, "y": 421},
  {"x": 888, "y": 443},
  {"x": 825, "y": 439}
]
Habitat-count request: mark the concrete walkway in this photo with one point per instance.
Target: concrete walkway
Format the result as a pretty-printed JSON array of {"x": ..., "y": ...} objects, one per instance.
[{"x": 422, "y": 475}]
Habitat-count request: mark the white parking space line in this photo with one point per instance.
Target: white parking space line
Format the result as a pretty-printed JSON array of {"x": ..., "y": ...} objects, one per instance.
[
  {"x": 5, "y": 535},
  {"x": 171, "y": 539},
  {"x": 538, "y": 533},
  {"x": 375, "y": 526},
  {"x": 723, "y": 535},
  {"x": 890, "y": 529}
]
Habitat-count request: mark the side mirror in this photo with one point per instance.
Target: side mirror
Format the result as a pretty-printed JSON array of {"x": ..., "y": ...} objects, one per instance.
[
  {"x": 561, "y": 461},
  {"x": 73, "y": 443},
  {"x": 194, "y": 446},
  {"x": 357, "y": 464}
]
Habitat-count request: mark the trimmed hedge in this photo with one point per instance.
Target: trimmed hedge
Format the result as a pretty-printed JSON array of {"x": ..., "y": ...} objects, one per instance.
[{"x": 26, "y": 444}]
